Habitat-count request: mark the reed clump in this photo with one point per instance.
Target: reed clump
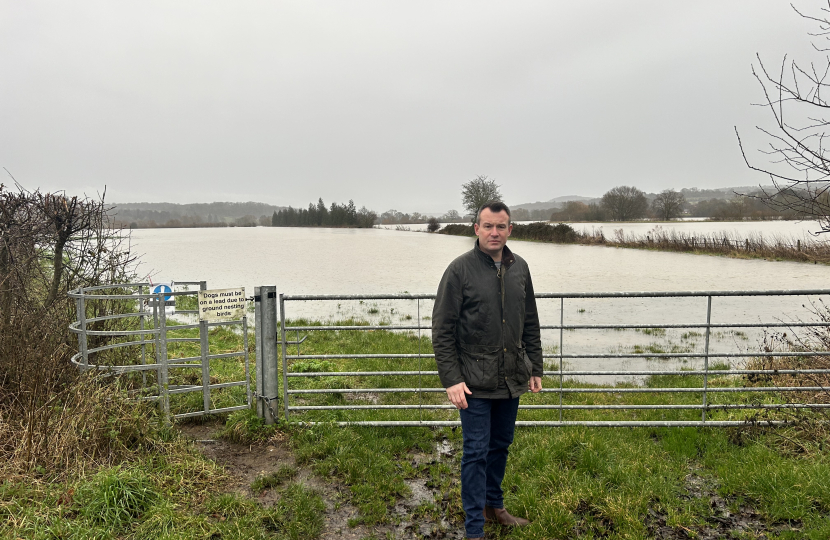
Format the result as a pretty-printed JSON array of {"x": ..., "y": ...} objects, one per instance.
[
  {"x": 730, "y": 244},
  {"x": 755, "y": 245}
]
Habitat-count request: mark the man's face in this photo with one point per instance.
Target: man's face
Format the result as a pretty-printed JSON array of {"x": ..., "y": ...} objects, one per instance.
[{"x": 492, "y": 230}]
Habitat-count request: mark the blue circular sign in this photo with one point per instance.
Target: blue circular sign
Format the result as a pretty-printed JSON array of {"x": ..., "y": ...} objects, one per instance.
[{"x": 163, "y": 289}]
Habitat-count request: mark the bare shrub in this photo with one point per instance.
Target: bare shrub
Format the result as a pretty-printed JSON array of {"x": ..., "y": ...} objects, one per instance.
[
  {"x": 51, "y": 243},
  {"x": 809, "y": 431}
]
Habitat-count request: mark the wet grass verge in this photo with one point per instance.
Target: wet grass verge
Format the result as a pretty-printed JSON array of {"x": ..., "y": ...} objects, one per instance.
[{"x": 572, "y": 482}]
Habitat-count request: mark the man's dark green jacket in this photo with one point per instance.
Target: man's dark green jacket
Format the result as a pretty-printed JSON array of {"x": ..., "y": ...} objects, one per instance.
[{"x": 485, "y": 327}]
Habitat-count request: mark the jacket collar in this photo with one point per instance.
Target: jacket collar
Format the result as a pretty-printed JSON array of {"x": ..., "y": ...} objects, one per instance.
[{"x": 507, "y": 257}]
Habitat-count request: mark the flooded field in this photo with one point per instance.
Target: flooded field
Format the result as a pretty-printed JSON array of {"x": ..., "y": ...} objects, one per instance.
[{"x": 376, "y": 261}]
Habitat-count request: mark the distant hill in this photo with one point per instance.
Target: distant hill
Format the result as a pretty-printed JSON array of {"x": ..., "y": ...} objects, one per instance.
[
  {"x": 554, "y": 203},
  {"x": 692, "y": 195},
  {"x": 207, "y": 212}
]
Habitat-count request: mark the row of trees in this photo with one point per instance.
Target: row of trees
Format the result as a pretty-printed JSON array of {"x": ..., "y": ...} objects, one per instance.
[
  {"x": 193, "y": 221},
  {"x": 798, "y": 167},
  {"x": 622, "y": 203},
  {"x": 337, "y": 215},
  {"x": 393, "y": 217},
  {"x": 627, "y": 203}
]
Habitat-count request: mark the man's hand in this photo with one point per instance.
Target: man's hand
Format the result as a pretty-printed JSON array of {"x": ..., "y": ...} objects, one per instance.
[
  {"x": 456, "y": 395},
  {"x": 534, "y": 384}
]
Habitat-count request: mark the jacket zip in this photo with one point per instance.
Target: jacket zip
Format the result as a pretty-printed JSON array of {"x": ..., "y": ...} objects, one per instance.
[{"x": 500, "y": 275}]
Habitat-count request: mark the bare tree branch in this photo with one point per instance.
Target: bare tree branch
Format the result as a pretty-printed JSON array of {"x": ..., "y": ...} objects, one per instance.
[{"x": 798, "y": 165}]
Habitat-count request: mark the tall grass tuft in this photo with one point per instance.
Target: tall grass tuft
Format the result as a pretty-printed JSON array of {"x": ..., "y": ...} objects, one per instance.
[
  {"x": 79, "y": 426},
  {"x": 245, "y": 427},
  {"x": 116, "y": 497}
]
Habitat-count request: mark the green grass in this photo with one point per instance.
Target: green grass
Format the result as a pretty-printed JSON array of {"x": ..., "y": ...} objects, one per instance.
[
  {"x": 658, "y": 332},
  {"x": 155, "y": 499},
  {"x": 572, "y": 482},
  {"x": 116, "y": 497},
  {"x": 221, "y": 339},
  {"x": 274, "y": 479},
  {"x": 186, "y": 302},
  {"x": 298, "y": 515}
]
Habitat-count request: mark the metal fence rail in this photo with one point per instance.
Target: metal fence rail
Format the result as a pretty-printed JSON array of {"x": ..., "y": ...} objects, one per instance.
[
  {"x": 152, "y": 342},
  {"x": 564, "y": 382}
]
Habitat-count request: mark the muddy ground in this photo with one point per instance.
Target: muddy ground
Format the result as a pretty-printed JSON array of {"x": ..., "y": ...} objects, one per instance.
[
  {"x": 726, "y": 521},
  {"x": 245, "y": 463}
]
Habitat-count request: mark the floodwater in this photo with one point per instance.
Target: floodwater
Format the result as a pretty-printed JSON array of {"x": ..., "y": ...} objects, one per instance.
[
  {"x": 379, "y": 261},
  {"x": 739, "y": 229}
]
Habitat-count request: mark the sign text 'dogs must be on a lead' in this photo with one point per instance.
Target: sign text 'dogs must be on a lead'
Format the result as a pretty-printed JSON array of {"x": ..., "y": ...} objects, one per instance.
[{"x": 222, "y": 304}]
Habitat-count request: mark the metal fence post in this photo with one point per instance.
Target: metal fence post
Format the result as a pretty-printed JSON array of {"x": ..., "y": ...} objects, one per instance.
[
  {"x": 561, "y": 348},
  {"x": 268, "y": 341},
  {"x": 420, "y": 365},
  {"x": 204, "y": 346},
  {"x": 284, "y": 359},
  {"x": 141, "y": 327},
  {"x": 260, "y": 404},
  {"x": 164, "y": 381},
  {"x": 247, "y": 359},
  {"x": 157, "y": 346},
  {"x": 80, "y": 307},
  {"x": 706, "y": 355}
]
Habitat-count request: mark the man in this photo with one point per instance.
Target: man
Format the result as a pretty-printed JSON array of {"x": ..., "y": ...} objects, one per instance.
[{"x": 488, "y": 347}]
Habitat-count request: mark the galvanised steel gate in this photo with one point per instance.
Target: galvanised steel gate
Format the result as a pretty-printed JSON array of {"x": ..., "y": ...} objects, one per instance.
[
  {"x": 752, "y": 382},
  {"x": 134, "y": 336}
]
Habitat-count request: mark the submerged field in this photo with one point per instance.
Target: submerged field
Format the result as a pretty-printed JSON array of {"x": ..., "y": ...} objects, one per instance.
[{"x": 403, "y": 482}]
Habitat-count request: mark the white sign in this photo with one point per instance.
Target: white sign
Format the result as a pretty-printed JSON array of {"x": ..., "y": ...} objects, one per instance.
[
  {"x": 169, "y": 299},
  {"x": 222, "y": 304}
]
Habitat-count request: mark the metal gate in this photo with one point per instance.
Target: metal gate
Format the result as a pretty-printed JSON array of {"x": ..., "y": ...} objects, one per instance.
[
  {"x": 720, "y": 387},
  {"x": 123, "y": 329}
]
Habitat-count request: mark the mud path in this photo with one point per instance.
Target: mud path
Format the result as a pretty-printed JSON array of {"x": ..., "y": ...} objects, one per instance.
[
  {"x": 728, "y": 520},
  {"x": 245, "y": 463}
]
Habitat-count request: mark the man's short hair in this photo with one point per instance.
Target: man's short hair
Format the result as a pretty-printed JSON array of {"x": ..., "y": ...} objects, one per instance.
[{"x": 495, "y": 207}]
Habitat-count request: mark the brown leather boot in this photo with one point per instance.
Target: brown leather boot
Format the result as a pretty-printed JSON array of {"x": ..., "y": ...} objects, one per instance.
[{"x": 503, "y": 517}]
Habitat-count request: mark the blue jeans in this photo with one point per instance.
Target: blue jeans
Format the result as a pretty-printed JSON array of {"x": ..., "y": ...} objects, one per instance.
[{"x": 487, "y": 426}]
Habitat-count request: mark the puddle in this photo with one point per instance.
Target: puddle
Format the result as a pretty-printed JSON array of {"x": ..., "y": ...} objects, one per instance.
[
  {"x": 444, "y": 448},
  {"x": 420, "y": 492}
]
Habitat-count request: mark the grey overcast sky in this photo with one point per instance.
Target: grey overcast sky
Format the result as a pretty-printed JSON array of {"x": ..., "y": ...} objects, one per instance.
[{"x": 393, "y": 104}]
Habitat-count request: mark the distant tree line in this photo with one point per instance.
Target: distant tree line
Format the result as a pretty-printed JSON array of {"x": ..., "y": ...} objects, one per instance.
[
  {"x": 215, "y": 214},
  {"x": 524, "y": 214},
  {"x": 393, "y": 217},
  {"x": 163, "y": 221},
  {"x": 561, "y": 233},
  {"x": 627, "y": 203},
  {"x": 337, "y": 215}
]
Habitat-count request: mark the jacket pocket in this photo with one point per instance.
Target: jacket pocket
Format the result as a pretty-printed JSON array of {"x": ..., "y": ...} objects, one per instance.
[
  {"x": 480, "y": 366},
  {"x": 524, "y": 369}
]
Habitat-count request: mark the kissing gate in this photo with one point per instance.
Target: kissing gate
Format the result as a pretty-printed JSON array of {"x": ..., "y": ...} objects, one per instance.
[
  {"x": 683, "y": 358},
  {"x": 124, "y": 330}
]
